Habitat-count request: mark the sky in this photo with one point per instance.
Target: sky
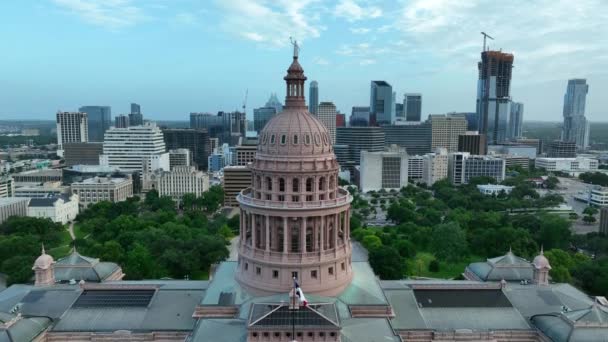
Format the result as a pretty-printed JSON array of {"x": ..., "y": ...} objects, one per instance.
[{"x": 179, "y": 56}]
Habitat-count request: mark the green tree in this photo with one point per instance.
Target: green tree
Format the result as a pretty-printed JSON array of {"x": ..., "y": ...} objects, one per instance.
[
  {"x": 589, "y": 219},
  {"x": 554, "y": 232},
  {"x": 405, "y": 248},
  {"x": 18, "y": 268},
  {"x": 387, "y": 263},
  {"x": 449, "y": 242},
  {"x": 371, "y": 242},
  {"x": 140, "y": 264},
  {"x": 434, "y": 266}
]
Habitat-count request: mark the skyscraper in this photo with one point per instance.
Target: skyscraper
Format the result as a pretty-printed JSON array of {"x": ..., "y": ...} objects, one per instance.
[
  {"x": 135, "y": 148},
  {"x": 195, "y": 140},
  {"x": 71, "y": 127},
  {"x": 313, "y": 97},
  {"x": 326, "y": 113},
  {"x": 412, "y": 106},
  {"x": 446, "y": 129},
  {"x": 136, "y": 119},
  {"x": 360, "y": 116},
  {"x": 493, "y": 94},
  {"x": 261, "y": 117},
  {"x": 100, "y": 120},
  {"x": 516, "y": 120},
  {"x": 381, "y": 102},
  {"x": 135, "y": 108},
  {"x": 576, "y": 126},
  {"x": 121, "y": 121},
  {"x": 275, "y": 103}
]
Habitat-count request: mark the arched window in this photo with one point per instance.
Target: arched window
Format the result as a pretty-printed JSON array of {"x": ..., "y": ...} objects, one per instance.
[
  {"x": 309, "y": 184},
  {"x": 268, "y": 184},
  {"x": 322, "y": 183},
  {"x": 258, "y": 182},
  {"x": 281, "y": 184},
  {"x": 283, "y": 139},
  {"x": 331, "y": 182},
  {"x": 307, "y": 139},
  {"x": 295, "y": 139},
  {"x": 295, "y": 185},
  {"x": 272, "y": 139}
]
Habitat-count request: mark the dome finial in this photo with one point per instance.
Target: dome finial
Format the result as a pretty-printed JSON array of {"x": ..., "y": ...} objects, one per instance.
[
  {"x": 296, "y": 47},
  {"x": 43, "y": 251},
  {"x": 541, "y": 250}
]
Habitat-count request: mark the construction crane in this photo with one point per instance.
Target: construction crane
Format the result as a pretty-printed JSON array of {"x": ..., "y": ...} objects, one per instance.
[
  {"x": 245, "y": 102},
  {"x": 485, "y": 35}
]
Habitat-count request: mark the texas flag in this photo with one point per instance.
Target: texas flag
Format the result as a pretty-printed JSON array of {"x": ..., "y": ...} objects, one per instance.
[{"x": 299, "y": 293}]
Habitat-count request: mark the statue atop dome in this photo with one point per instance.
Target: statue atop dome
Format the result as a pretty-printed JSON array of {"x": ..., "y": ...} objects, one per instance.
[{"x": 296, "y": 47}]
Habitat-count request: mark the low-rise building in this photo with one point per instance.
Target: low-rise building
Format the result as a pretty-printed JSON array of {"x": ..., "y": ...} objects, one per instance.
[
  {"x": 97, "y": 189},
  {"x": 47, "y": 189},
  {"x": 572, "y": 166},
  {"x": 236, "y": 179},
  {"x": 179, "y": 157},
  {"x": 415, "y": 168},
  {"x": 462, "y": 167},
  {"x": 176, "y": 183},
  {"x": 383, "y": 170},
  {"x": 494, "y": 189},
  {"x": 38, "y": 176},
  {"x": 12, "y": 206},
  {"x": 60, "y": 209},
  {"x": 595, "y": 195}
]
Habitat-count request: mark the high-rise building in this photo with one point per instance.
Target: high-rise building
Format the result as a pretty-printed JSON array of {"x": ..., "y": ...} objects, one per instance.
[
  {"x": 340, "y": 119},
  {"x": 99, "y": 121},
  {"x": 383, "y": 170},
  {"x": 562, "y": 149},
  {"x": 236, "y": 179},
  {"x": 445, "y": 130},
  {"x": 228, "y": 127},
  {"x": 121, "y": 121},
  {"x": 604, "y": 220},
  {"x": 353, "y": 140},
  {"x": 245, "y": 152},
  {"x": 135, "y": 148},
  {"x": 414, "y": 136},
  {"x": 195, "y": 140},
  {"x": 71, "y": 127},
  {"x": 274, "y": 102},
  {"x": 261, "y": 116},
  {"x": 415, "y": 168},
  {"x": 435, "y": 166},
  {"x": 179, "y": 157},
  {"x": 82, "y": 153},
  {"x": 472, "y": 142},
  {"x": 7, "y": 186},
  {"x": 516, "y": 120},
  {"x": 326, "y": 112},
  {"x": 135, "y": 109},
  {"x": 360, "y": 117},
  {"x": 576, "y": 126},
  {"x": 136, "y": 119},
  {"x": 472, "y": 121},
  {"x": 313, "y": 97},
  {"x": 463, "y": 166},
  {"x": 493, "y": 95},
  {"x": 412, "y": 106},
  {"x": 381, "y": 103},
  {"x": 216, "y": 162},
  {"x": 399, "y": 112}
]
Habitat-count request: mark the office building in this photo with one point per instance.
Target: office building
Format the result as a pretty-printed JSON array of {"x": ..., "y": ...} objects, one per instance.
[
  {"x": 340, "y": 119},
  {"x": 603, "y": 220},
  {"x": 513, "y": 161},
  {"x": 326, "y": 113},
  {"x": 176, "y": 183},
  {"x": 412, "y": 106},
  {"x": 136, "y": 119},
  {"x": 381, "y": 103},
  {"x": 313, "y": 97},
  {"x": 97, "y": 189},
  {"x": 136, "y": 109},
  {"x": 227, "y": 127},
  {"x": 80, "y": 173},
  {"x": 445, "y": 130},
  {"x": 472, "y": 121},
  {"x": 99, "y": 121},
  {"x": 383, "y": 170},
  {"x": 37, "y": 176},
  {"x": 416, "y": 137},
  {"x": 216, "y": 162},
  {"x": 473, "y": 143},
  {"x": 274, "y": 102},
  {"x": 71, "y": 127},
  {"x": 60, "y": 209},
  {"x": 573, "y": 166},
  {"x": 562, "y": 149},
  {"x": 7, "y": 186},
  {"x": 415, "y": 168},
  {"x": 12, "y": 206},
  {"x": 576, "y": 126},
  {"x": 399, "y": 113},
  {"x": 493, "y": 95},
  {"x": 47, "y": 189},
  {"x": 357, "y": 139},
  {"x": 594, "y": 195},
  {"x": 121, "y": 121},
  {"x": 360, "y": 117},
  {"x": 527, "y": 151},
  {"x": 82, "y": 153},
  {"x": 236, "y": 179},
  {"x": 434, "y": 166},
  {"x": 463, "y": 166},
  {"x": 530, "y": 142},
  {"x": 261, "y": 116},
  {"x": 179, "y": 157},
  {"x": 132, "y": 148},
  {"x": 516, "y": 120},
  {"x": 245, "y": 151},
  {"x": 494, "y": 189},
  {"x": 195, "y": 140}
]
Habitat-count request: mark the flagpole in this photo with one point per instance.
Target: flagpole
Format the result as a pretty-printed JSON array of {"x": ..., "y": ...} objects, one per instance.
[{"x": 293, "y": 308}]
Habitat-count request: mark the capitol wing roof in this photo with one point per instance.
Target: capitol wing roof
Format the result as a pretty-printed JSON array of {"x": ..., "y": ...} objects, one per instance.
[{"x": 23, "y": 329}]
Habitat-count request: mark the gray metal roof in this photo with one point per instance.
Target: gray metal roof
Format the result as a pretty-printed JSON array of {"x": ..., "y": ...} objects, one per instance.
[
  {"x": 589, "y": 324},
  {"x": 220, "y": 330},
  {"x": 508, "y": 267},
  {"x": 532, "y": 300},
  {"x": 78, "y": 267},
  {"x": 25, "y": 329},
  {"x": 48, "y": 201}
]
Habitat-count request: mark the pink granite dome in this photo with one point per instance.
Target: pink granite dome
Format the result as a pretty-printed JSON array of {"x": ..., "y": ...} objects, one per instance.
[{"x": 541, "y": 261}]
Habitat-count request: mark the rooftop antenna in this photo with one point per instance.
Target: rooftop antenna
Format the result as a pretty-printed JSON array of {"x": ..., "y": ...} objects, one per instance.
[
  {"x": 485, "y": 35},
  {"x": 245, "y": 101}
]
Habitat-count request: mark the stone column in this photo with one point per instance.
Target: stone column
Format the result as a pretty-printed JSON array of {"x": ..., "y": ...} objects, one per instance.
[
  {"x": 241, "y": 235},
  {"x": 336, "y": 223},
  {"x": 285, "y": 250},
  {"x": 315, "y": 231},
  {"x": 322, "y": 227},
  {"x": 267, "y": 233},
  {"x": 253, "y": 232},
  {"x": 303, "y": 223}
]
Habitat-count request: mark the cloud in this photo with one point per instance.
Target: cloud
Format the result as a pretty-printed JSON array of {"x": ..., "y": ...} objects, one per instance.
[
  {"x": 352, "y": 11},
  {"x": 367, "y": 62},
  {"x": 360, "y": 30},
  {"x": 271, "y": 22},
  {"x": 320, "y": 61},
  {"x": 110, "y": 14},
  {"x": 543, "y": 35},
  {"x": 185, "y": 18}
]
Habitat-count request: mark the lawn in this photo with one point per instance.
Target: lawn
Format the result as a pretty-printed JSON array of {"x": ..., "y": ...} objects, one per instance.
[{"x": 419, "y": 266}]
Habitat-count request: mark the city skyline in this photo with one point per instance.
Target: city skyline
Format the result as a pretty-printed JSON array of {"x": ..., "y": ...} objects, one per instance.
[{"x": 186, "y": 57}]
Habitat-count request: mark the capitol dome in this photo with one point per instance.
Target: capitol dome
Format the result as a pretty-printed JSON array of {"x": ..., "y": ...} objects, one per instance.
[
  {"x": 44, "y": 261},
  {"x": 540, "y": 261}
]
